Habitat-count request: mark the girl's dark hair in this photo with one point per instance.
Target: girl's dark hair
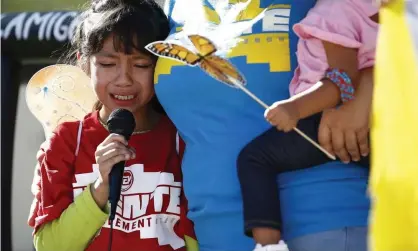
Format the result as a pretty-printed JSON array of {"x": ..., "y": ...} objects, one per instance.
[{"x": 133, "y": 24}]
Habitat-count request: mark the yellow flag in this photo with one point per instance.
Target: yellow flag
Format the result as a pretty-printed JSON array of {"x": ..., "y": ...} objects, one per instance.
[{"x": 394, "y": 175}]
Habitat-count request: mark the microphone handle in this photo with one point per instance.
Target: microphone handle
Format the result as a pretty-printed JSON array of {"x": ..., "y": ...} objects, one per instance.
[{"x": 115, "y": 186}]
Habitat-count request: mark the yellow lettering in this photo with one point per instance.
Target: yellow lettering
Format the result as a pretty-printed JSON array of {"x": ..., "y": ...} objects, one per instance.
[
  {"x": 270, "y": 47},
  {"x": 276, "y": 52}
]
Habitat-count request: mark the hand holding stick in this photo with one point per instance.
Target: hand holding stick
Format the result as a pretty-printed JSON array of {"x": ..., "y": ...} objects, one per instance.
[{"x": 239, "y": 85}]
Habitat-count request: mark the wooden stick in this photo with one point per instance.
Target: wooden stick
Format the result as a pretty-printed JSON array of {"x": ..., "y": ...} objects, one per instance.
[{"x": 239, "y": 85}]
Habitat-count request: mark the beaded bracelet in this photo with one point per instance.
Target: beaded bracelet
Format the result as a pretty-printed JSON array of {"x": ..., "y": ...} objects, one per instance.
[{"x": 341, "y": 79}]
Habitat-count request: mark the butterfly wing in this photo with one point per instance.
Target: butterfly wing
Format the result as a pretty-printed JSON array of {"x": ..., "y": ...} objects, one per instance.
[
  {"x": 59, "y": 93},
  {"x": 173, "y": 51},
  {"x": 203, "y": 45},
  {"x": 222, "y": 70}
]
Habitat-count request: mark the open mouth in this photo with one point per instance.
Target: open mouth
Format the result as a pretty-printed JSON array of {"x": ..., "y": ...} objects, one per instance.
[{"x": 123, "y": 97}]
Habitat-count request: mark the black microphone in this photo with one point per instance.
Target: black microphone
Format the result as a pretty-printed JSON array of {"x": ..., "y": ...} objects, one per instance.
[{"x": 122, "y": 122}]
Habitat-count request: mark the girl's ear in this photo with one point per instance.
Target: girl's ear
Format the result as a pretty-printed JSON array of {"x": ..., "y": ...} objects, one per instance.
[{"x": 78, "y": 56}]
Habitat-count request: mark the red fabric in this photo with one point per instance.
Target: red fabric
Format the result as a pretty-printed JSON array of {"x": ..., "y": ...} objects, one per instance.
[
  {"x": 53, "y": 176},
  {"x": 152, "y": 199}
]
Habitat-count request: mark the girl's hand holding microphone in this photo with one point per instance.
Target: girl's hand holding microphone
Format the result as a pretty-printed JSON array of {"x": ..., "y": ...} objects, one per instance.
[{"x": 111, "y": 151}]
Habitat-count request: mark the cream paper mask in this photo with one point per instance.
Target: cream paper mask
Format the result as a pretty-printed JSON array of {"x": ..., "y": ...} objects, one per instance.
[{"x": 59, "y": 93}]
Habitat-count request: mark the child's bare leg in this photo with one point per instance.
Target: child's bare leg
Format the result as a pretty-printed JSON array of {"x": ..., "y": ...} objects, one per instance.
[{"x": 266, "y": 236}]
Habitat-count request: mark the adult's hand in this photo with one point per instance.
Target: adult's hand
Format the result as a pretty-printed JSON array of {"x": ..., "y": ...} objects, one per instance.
[{"x": 344, "y": 131}]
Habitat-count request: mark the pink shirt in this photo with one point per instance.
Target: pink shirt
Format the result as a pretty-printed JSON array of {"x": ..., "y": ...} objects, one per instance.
[{"x": 343, "y": 22}]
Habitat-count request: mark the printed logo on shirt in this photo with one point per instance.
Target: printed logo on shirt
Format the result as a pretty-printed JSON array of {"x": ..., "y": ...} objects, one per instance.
[
  {"x": 128, "y": 180},
  {"x": 266, "y": 45},
  {"x": 150, "y": 203}
]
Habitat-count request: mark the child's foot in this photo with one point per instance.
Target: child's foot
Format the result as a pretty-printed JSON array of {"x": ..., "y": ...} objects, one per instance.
[{"x": 272, "y": 247}]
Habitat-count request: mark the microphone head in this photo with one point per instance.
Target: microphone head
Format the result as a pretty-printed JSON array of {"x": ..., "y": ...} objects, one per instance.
[{"x": 121, "y": 121}]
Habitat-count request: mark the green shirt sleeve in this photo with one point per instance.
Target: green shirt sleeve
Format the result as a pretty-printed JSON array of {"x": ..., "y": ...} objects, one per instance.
[{"x": 75, "y": 228}]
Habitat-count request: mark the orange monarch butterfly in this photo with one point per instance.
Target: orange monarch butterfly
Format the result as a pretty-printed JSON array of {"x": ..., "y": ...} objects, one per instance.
[{"x": 215, "y": 66}]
